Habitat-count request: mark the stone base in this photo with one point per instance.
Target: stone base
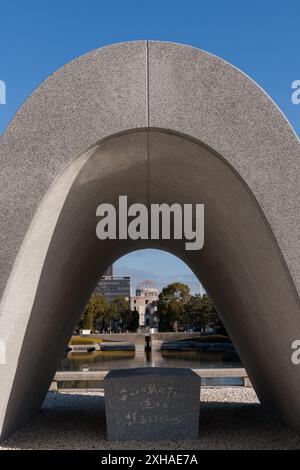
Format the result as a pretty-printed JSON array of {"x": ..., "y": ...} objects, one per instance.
[{"x": 152, "y": 404}]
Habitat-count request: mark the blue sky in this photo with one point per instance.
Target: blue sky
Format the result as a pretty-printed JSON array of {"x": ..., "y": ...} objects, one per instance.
[
  {"x": 159, "y": 266},
  {"x": 262, "y": 38}
]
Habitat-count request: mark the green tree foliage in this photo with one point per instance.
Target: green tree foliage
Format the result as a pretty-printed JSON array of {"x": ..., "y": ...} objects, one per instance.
[
  {"x": 135, "y": 318},
  {"x": 171, "y": 305},
  {"x": 123, "y": 308},
  {"x": 177, "y": 308},
  {"x": 112, "y": 316},
  {"x": 128, "y": 319},
  {"x": 87, "y": 323},
  {"x": 101, "y": 306},
  {"x": 100, "y": 315},
  {"x": 200, "y": 312},
  {"x": 94, "y": 312}
]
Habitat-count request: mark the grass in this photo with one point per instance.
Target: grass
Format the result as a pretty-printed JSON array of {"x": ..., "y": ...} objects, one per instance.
[{"x": 83, "y": 340}]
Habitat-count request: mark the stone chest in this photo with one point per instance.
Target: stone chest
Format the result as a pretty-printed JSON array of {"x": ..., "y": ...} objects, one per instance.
[{"x": 152, "y": 404}]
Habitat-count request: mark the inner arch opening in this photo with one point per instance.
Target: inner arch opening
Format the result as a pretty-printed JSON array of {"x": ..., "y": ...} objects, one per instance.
[{"x": 151, "y": 294}]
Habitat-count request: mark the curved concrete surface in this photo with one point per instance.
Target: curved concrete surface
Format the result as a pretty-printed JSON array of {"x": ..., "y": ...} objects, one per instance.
[{"x": 159, "y": 122}]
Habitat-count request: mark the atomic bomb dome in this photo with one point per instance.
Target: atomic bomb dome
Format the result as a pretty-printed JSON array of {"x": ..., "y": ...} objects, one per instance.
[
  {"x": 144, "y": 302},
  {"x": 147, "y": 286}
]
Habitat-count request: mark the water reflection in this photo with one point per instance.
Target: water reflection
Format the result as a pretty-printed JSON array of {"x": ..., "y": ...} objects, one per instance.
[
  {"x": 98, "y": 360},
  {"x": 104, "y": 360}
]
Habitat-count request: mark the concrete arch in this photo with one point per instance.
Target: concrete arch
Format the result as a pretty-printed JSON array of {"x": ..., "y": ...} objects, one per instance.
[{"x": 124, "y": 120}]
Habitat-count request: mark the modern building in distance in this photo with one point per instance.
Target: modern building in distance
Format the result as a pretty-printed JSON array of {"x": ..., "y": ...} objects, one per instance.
[
  {"x": 145, "y": 303},
  {"x": 113, "y": 286}
]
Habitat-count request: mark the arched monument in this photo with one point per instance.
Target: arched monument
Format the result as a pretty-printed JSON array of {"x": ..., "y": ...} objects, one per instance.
[{"x": 159, "y": 122}]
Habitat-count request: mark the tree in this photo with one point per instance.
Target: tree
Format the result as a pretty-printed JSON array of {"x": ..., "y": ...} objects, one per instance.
[
  {"x": 135, "y": 318},
  {"x": 99, "y": 314},
  {"x": 123, "y": 309},
  {"x": 101, "y": 306},
  {"x": 112, "y": 316},
  {"x": 200, "y": 311},
  {"x": 126, "y": 318},
  {"x": 87, "y": 323},
  {"x": 94, "y": 312},
  {"x": 171, "y": 306}
]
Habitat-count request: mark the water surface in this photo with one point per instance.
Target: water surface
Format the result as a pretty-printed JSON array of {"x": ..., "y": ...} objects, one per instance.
[{"x": 106, "y": 360}]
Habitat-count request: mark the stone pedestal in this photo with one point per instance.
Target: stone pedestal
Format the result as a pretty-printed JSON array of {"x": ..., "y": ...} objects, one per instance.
[{"x": 152, "y": 404}]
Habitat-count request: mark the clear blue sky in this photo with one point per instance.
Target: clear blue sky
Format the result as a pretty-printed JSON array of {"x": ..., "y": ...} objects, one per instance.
[{"x": 262, "y": 38}]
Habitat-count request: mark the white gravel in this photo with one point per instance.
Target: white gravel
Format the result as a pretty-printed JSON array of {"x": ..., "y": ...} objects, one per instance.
[{"x": 231, "y": 418}]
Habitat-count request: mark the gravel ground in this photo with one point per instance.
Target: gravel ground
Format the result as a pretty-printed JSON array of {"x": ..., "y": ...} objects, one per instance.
[{"x": 231, "y": 418}]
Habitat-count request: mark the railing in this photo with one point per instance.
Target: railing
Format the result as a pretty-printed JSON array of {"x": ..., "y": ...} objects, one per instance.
[{"x": 99, "y": 376}]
